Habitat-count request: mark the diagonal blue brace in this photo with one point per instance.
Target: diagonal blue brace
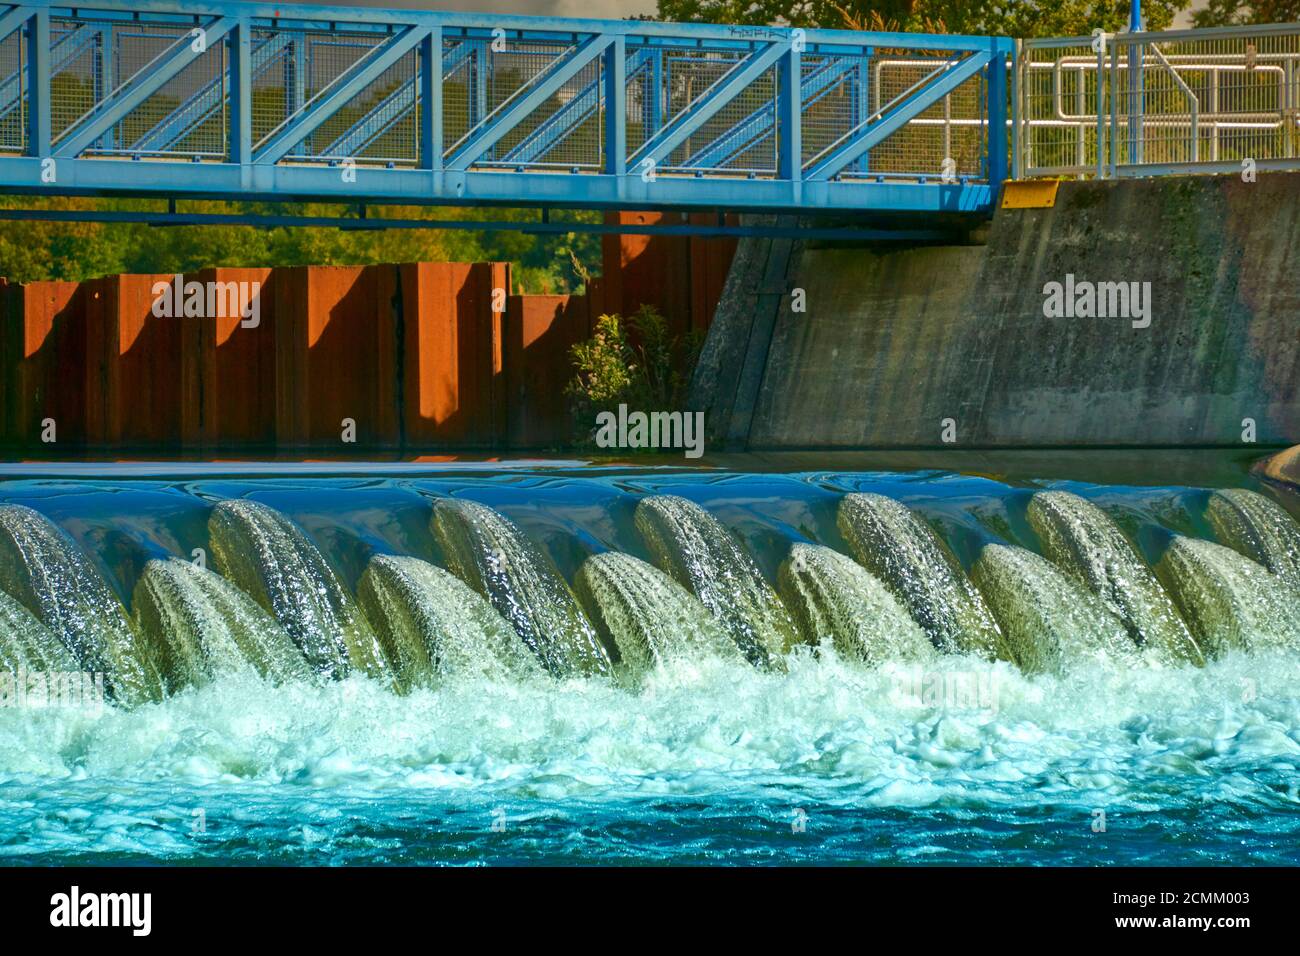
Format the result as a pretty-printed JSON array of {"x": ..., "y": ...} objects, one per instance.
[
  {"x": 894, "y": 117},
  {"x": 759, "y": 125},
  {"x": 722, "y": 92},
  {"x": 62, "y": 52},
  {"x": 208, "y": 100},
  {"x": 325, "y": 104},
  {"x": 146, "y": 82},
  {"x": 569, "y": 117},
  {"x": 547, "y": 84},
  {"x": 14, "y": 18},
  {"x": 392, "y": 109}
]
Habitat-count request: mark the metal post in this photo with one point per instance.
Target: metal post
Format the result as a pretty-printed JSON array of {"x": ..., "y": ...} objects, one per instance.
[
  {"x": 789, "y": 108},
  {"x": 1101, "y": 111},
  {"x": 431, "y": 146},
  {"x": 615, "y": 69},
  {"x": 1018, "y": 111},
  {"x": 1136, "y": 84},
  {"x": 104, "y": 77},
  {"x": 864, "y": 102},
  {"x": 997, "y": 114},
  {"x": 654, "y": 118},
  {"x": 479, "y": 109},
  {"x": 240, "y": 146},
  {"x": 38, "y": 83},
  {"x": 1114, "y": 109}
]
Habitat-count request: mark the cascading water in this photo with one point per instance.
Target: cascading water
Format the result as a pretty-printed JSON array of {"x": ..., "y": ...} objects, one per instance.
[
  {"x": 1049, "y": 622},
  {"x": 1257, "y": 528},
  {"x": 697, "y": 550},
  {"x": 203, "y": 627},
  {"x": 646, "y": 615},
  {"x": 837, "y": 602},
  {"x": 1230, "y": 601},
  {"x": 1082, "y": 540},
  {"x": 27, "y": 644},
  {"x": 267, "y": 555},
  {"x": 44, "y": 571},
  {"x": 897, "y": 547},
  {"x": 620, "y": 671},
  {"x": 486, "y": 550},
  {"x": 433, "y": 624}
]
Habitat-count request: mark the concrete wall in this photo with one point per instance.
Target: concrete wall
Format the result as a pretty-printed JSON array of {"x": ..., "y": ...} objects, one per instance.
[
  {"x": 895, "y": 340},
  {"x": 421, "y": 357}
]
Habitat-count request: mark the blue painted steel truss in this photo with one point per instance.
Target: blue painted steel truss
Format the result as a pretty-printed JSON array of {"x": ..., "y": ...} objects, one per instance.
[{"x": 230, "y": 100}]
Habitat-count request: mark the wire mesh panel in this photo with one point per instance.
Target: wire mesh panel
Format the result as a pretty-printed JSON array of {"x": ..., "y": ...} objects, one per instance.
[
  {"x": 950, "y": 135},
  {"x": 833, "y": 91},
  {"x": 564, "y": 130},
  {"x": 12, "y": 94},
  {"x": 1064, "y": 88},
  {"x": 844, "y": 96},
  {"x": 729, "y": 140}
]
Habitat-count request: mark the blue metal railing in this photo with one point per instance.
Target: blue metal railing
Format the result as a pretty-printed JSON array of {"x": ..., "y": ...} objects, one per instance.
[{"x": 280, "y": 102}]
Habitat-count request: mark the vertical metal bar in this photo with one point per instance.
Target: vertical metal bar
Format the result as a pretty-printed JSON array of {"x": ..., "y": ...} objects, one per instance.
[
  {"x": 997, "y": 115},
  {"x": 38, "y": 83},
  {"x": 1017, "y": 111},
  {"x": 1289, "y": 108},
  {"x": 864, "y": 103},
  {"x": 1080, "y": 106},
  {"x": 1136, "y": 56},
  {"x": 1137, "y": 87},
  {"x": 430, "y": 100},
  {"x": 105, "y": 77},
  {"x": 1101, "y": 112},
  {"x": 614, "y": 64},
  {"x": 1214, "y": 111},
  {"x": 1114, "y": 109},
  {"x": 654, "y": 119},
  {"x": 479, "y": 109},
  {"x": 240, "y": 133},
  {"x": 789, "y": 103}
]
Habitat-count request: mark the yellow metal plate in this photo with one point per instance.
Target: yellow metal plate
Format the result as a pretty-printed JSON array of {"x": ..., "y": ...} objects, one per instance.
[{"x": 1030, "y": 194}]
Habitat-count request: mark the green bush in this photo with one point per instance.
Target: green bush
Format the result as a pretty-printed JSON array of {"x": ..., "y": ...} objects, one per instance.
[{"x": 636, "y": 362}]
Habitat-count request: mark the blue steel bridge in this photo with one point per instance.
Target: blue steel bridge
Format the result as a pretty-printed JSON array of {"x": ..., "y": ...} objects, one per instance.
[{"x": 281, "y": 103}]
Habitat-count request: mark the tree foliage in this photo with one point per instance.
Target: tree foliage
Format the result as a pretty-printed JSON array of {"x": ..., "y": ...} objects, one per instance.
[
  {"x": 1017, "y": 18},
  {"x": 32, "y": 250},
  {"x": 1219, "y": 13},
  {"x": 634, "y": 361}
]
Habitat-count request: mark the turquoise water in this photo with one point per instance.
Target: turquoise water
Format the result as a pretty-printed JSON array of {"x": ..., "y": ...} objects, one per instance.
[{"x": 825, "y": 759}]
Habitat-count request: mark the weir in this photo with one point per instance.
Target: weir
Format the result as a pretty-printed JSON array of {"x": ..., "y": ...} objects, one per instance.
[{"x": 490, "y": 602}]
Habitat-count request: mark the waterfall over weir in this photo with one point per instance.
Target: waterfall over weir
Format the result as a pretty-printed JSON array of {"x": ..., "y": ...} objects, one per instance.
[
  {"x": 651, "y": 664},
  {"x": 642, "y": 582}
]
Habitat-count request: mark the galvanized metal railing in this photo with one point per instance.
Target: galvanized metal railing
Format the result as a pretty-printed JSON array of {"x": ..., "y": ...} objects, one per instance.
[{"x": 1144, "y": 104}]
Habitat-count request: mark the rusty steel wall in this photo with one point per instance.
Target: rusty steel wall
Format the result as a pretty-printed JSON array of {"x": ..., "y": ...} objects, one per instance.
[{"x": 420, "y": 357}]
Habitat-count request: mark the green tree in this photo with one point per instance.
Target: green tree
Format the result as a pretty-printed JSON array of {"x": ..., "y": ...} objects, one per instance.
[
  {"x": 1220, "y": 13},
  {"x": 1018, "y": 18},
  {"x": 35, "y": 250}
]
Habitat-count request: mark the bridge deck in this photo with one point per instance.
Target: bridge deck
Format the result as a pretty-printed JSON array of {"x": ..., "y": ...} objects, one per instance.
[{"x": 280, "y": 102}]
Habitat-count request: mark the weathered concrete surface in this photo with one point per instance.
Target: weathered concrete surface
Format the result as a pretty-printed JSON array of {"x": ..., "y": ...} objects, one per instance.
[{"x": 895, "y": 341}]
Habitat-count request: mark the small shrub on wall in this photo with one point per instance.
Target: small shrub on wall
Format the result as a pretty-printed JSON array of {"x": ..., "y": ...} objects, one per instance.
[{"x": 634, "y": 361}]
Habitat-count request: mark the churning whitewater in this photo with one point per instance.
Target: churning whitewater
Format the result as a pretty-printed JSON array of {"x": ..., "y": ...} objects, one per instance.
[{"x": 643, "y": 669}]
